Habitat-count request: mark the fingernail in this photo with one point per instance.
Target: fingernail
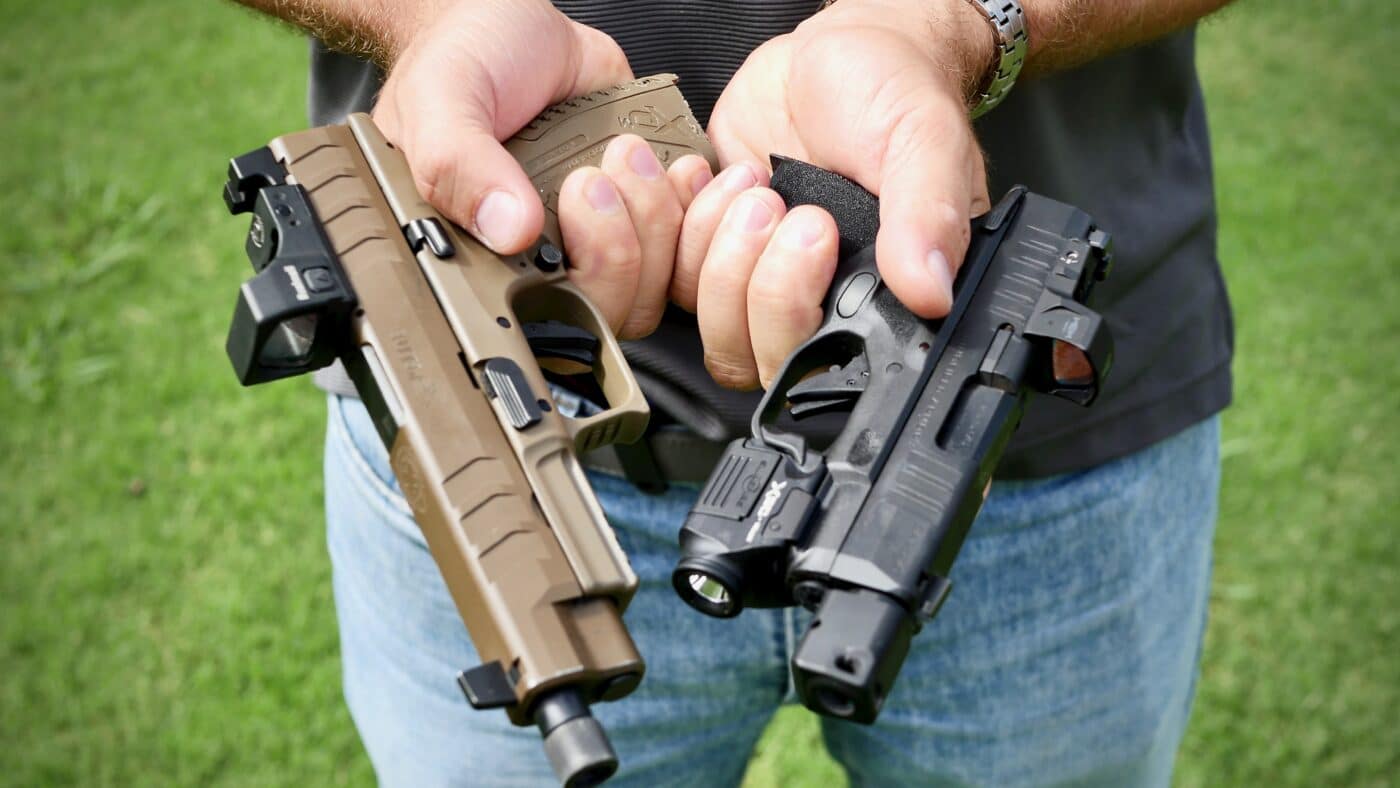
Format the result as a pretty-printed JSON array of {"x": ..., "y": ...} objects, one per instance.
[
  {"x": 643, "y": 162},
  {"x": 498, "y": 218},
  {"x": 800, "y": 230},
  {"x": 699, "y": 181},
  {"x": 937, "y": 265},
  {"x": 750, "y": 214},
  {"x": 739, "y": 177},
  {"x": 602, "y": 195}
]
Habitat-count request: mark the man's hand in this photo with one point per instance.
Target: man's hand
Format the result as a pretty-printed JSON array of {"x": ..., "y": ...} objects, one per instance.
[
  {"x": 876, "y": 90},
  {"x": 479, "y": 71},
  {"x": 466, "y": 74}
]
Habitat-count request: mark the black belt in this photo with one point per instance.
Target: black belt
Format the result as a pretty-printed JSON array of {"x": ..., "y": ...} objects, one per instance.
[{"x": 666, "y": 456}]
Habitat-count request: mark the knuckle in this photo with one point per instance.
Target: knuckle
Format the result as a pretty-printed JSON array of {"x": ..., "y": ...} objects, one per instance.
[
  {"x": 749, "y": 221},
  {"x": 689, "y": 163},
  {"x": 615, "y": 152},
  {"x": 769, "y": 197},
  {"x": 724, "y": 282},
  {"x": 641, "y": 322},
  {"x": 576, "y": 217},
  {"x": 689, "y": 261},
  {"x": 654, "y": 208},
  {"x": 731, "y": 371},
  {"x": 572, "y": 186},
  {"x": 981, "y": 203},
  {"x": 684, "y": 285},
  {"x": 813, "y": 213},
  {"x": 949, "y": 222},
  {"x": 605, "y": 251},
  {"x": 620, "y": 261},
  {"x": 772, "y": 297},
  {"x": 610, "y": 54},
  {"x": 711, "y": 203},
  {"x": 943, "y": 213},
  {"x": 435, "y": 170}
]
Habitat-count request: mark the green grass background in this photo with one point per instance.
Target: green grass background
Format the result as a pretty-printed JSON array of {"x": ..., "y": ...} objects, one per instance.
[{"x": 166, "y": 599}]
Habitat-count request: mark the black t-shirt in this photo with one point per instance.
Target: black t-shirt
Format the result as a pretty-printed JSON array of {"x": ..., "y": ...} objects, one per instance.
[{"x": 1124, "y": 138}]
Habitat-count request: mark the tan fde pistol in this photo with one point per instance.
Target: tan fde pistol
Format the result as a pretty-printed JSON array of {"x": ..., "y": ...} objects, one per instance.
[{"x": 453, "y": 348}]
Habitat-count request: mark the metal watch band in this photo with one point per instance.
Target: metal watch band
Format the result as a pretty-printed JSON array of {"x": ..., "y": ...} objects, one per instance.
[{"x": 1009, "y": 26}]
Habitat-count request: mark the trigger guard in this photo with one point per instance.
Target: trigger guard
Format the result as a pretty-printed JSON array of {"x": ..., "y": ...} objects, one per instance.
[{"x": 805, "y": 359}]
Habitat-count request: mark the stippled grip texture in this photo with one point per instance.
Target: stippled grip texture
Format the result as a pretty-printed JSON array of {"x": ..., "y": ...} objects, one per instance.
[
  {"x": 856, "y": 211},
  {"x": 574, "y": 134}
]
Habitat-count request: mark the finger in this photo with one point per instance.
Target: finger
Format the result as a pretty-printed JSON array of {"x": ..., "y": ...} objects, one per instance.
[
  {"x": 601, "y": 62},
  {"x": 460, "y": 169},
  {"x": 689, "y": 176},
  {"x": 722, "y": 296},
  {"x": 927, "y": 198},
  {"x": 981, "y": 197},
  {"x": 737, "y": 132},
  {"x": 789, "y": 285},
  {"x": 604, "y": 254},
  {"x": 702, "y": 218},
  {"x": 655, "y": 212},
  {"x": 448, "y": 102},
  {"x": 733, "y": 145},
  {"x": 911, "y": 145}
]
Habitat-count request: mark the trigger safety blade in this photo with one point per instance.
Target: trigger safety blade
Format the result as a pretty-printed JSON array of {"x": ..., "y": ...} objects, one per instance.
[
  {"x": 836, "y": 389},
  {"x": 557, "y": 339}
]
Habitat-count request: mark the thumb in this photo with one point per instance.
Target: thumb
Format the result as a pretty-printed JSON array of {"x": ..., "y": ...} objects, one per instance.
[
  {"x": 900, "y": 130},
  {"x": 462, "y": 170},
  {"x": 601, "y": 63},
  {"x": 448, "y": 105},
  {"x": 931, "y": 182},
  {"x": 458, "y": 165}
]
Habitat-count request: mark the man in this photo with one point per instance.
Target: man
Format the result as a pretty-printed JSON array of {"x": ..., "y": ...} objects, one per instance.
[{"x": 1068, "y": 650}]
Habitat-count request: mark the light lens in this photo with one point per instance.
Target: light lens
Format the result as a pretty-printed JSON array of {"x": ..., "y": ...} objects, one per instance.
[{"x": 709, "y": 589}]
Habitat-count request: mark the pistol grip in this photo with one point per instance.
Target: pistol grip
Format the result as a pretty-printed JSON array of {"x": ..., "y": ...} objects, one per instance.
[{"x": 574, "y": 133}]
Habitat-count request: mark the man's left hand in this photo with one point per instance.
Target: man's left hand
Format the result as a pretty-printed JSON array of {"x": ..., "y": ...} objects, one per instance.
[{"x": 876, "y": 90}]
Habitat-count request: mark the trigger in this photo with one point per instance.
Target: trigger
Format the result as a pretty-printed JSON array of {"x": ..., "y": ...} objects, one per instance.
[
  {"x": 836, "y": 389},
  {"x": 554, "y": 339}
]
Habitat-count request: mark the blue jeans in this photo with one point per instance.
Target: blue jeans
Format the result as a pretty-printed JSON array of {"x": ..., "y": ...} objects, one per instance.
[{"x": 1066, "y": 652}]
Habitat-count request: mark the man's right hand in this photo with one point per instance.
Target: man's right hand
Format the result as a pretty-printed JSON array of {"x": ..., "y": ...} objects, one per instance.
[{"x": 470, "y": 74}]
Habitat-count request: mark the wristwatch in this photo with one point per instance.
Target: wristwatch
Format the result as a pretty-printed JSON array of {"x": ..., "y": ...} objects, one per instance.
[
  {"x": 1008, "y": 23},
  {"x": 1009, "y": 27}
]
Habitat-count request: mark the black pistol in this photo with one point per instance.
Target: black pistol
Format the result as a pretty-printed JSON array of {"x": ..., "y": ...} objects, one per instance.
[{"x": 863, "y": 531}]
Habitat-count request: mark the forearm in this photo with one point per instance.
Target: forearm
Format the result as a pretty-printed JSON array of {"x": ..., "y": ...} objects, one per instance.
[
  {"x": 1067, "y": 33},
  {"x": 375, "y": 29},
  {"x": 1063, "y": 33}
]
